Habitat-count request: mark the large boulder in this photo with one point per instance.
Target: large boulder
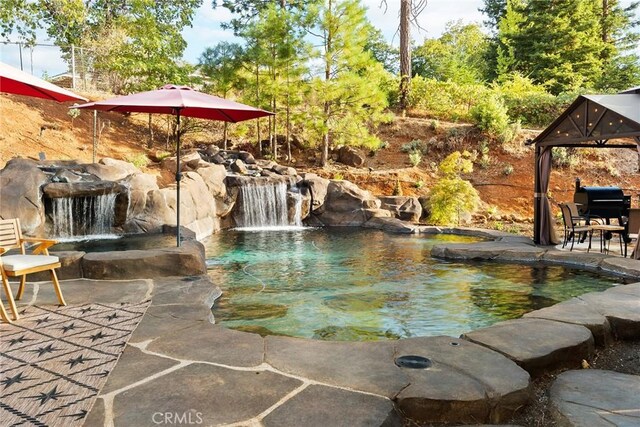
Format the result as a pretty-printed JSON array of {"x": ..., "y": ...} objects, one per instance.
[
  {"x": 197, "y": 207},
  {"x": 187, "y": 260},
  {"x": 403, "y": 207},
  {"x": 350, "y": 156},
  {"x": 238, "y": 166},
  {"x": 189, "y": 161},
  {"x": 284, "y": 170},
  {"x": 346, "y": 205},
  {"x": 317, "y": 189},
  {"x": 140, "y": 185},
  {"x": 345, "y": 196},
  {"x": 20, "y": 194},
  {"x": 111, "y": 169},
  {"x": 213, "y": 177},
  {"x": 56, "y": 190}
]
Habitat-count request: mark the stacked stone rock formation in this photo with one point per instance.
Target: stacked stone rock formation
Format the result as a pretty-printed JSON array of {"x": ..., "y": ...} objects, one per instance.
[{"x": 209, "y": 192}]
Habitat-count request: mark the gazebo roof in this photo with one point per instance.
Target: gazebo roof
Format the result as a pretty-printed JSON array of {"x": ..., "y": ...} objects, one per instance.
[
  {"x": 594, "y": 120},
  {"x": 631, "y": 90}
]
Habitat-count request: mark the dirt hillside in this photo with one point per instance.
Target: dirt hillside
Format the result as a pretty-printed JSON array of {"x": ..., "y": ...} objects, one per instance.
[{"x": 504, "y": 178}]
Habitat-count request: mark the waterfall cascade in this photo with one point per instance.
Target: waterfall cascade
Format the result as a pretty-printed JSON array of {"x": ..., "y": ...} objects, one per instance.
[
  {"x": 265, "y": 205},
  {"x": 83, "y": 216}
]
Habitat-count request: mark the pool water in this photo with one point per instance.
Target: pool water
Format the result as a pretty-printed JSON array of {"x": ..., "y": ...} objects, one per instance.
[{"x": 354, "y": 284}]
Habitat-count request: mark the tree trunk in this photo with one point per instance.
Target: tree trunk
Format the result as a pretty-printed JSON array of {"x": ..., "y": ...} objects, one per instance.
[
  {"x": 405, "y": 53},
  {"x": 150, "y": 142},
  {"x": 258, "y": 103},
  {"x": 605, "y": 18},
  {"x": 324, "y": 158}
]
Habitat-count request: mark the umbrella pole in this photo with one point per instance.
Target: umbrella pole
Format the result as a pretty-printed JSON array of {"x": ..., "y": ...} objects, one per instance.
[
  {"x": 178, "y": 178},
  {"x": 95, "y": 136}
]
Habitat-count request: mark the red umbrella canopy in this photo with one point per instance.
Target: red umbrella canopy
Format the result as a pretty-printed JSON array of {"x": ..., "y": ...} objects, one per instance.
[
  {"x": 171, "y": 99},
  {"x": 18, "y": 82}
]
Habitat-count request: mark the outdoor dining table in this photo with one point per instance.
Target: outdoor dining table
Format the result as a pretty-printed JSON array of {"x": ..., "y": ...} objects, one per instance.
[{"x": 606, "y": 228}]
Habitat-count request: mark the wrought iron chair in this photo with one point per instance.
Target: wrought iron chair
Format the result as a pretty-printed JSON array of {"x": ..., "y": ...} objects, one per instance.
[
  {"x": 22, "y": 264},
  {"x": 633, "y": 224},
  {"x": 572, "y": 226}
]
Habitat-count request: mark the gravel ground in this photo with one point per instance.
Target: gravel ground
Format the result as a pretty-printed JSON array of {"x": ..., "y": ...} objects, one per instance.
[{"x": 622, "y": 356}]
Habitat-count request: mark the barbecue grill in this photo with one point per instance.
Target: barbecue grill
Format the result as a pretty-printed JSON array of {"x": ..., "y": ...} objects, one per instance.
[{"x": 602, "y": 202}]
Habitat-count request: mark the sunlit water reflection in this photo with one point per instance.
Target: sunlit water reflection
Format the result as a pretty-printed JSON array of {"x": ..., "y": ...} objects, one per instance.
[{"x": 354, "y": 284}]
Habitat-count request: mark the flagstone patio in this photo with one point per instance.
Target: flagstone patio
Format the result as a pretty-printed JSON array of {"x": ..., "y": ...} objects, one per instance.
[{"x": 178, "y": 368}]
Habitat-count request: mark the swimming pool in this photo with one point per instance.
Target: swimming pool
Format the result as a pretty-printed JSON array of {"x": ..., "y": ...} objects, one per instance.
[{"x": 356, "y": 284}]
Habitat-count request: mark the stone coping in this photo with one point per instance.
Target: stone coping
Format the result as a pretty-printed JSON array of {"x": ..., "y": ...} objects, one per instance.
[{"x": 518, "y": 249}]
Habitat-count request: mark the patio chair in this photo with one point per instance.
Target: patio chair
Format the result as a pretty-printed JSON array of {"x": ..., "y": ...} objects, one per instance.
[
  {"x": 3, "y": 311},
  {"x": 633, "y": 224},
  {"x": 22, "y": 264},
  {"x": 572, "y": 226}
]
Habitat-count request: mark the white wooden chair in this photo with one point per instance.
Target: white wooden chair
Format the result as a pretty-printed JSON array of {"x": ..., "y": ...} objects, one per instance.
[{"x": 22, "y": 264}]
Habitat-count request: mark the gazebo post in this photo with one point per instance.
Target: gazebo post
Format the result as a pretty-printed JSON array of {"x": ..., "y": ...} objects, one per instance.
[{"x": 536, "y": 197}]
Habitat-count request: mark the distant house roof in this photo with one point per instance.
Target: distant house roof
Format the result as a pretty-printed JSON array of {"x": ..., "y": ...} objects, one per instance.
[
  {"x": 631, "y": 90},
  {"x": 594, "y": 120}
]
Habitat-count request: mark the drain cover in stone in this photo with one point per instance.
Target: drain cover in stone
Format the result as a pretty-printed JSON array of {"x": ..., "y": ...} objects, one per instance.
[{"x": 54, "y": 361}]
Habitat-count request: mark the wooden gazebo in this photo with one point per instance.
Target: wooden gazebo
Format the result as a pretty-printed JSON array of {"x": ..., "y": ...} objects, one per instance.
[{"x": 598, "y": 121}]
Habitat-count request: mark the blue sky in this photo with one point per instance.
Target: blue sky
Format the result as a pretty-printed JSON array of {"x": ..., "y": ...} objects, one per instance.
[{"x": 206, "y": 30}]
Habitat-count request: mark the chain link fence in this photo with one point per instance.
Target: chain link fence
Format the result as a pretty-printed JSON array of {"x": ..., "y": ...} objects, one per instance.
[{"x": 72, "y": 67}]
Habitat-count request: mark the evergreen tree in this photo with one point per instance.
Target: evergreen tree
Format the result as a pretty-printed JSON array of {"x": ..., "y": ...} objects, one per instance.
[
  {"x": 458, "y": 55},
  {"x": 559, "y": 44},
  {"x": 348, "y": 94},
  {"x": 220, "y": 65},
  {"x": 621, "y": 64}
]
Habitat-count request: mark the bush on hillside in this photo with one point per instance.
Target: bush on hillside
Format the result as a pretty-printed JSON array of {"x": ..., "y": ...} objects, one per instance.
[
  {"x": 490, "y": 115},
  {"x": 453, "y": 197},
  {"x": 445, "y": 100}
]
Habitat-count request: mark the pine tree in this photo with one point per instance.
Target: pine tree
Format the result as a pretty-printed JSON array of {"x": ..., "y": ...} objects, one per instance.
[
  {"x": 559, "y": 43},
  {"x": 349, "y": 93},
  {"x": 621, "y": 64}
]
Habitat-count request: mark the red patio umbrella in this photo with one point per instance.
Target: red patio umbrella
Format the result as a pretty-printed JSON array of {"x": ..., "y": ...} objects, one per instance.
[
  {"x": 179, "y": 101},
  {"x": 18, "y": 82}
]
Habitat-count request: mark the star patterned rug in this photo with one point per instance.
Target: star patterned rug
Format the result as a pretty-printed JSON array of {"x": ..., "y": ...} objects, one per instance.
[{"x": 55, "y": 360}]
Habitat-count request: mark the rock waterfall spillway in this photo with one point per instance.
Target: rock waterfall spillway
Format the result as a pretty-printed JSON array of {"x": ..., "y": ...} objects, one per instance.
[
  {"x": 264, "y": 204},
  {"x": 83, "y": 216}
]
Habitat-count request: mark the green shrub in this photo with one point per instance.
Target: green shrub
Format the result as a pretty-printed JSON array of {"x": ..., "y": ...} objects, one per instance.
[
  {"x": 419, "y": 183},
  {"x": 508, "y": 169},
  {"x": 484, "y": 160},
  {"x": 415, "y": 145},
  {"x": 139, "y": 160},
  {"x": 415, "y": 158},
  {"x": 451, "y": 196},
  {"x": 397, "y": 189},
  {"x": 74, "y": 113},
  {"x": 338, "y": 176},
  {"x": 445, "y": 99},
  {"x": 564, "y": 157},
  {"x": 161, "y": 155},
  {"x": 490, "y": 115},
  {"x": 434, "y": 125}
]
